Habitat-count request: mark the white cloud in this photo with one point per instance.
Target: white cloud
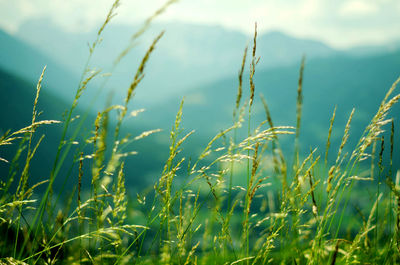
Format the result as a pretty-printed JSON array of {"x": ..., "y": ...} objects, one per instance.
[
  {"x": 332, "y": 21},
  {"x": 358, "y": 8},
  {"x": 13, "y": 13}
]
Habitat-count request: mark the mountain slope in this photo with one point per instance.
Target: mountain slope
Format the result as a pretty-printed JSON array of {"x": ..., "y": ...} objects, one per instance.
[
  {"x": 345, "y": 82},
  {"x": 16, "y": 112},
  {"x": 23, "y": 60},
  {"x": 187, "y": 54}
]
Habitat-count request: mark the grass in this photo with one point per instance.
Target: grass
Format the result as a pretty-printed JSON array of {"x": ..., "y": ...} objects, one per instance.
[{"x": 288, "y": 208}]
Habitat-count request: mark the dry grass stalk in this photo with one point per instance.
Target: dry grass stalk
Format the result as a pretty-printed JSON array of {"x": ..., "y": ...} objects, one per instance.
[
  {"x": 373, "y": 130},
  {"x": 31, "y": 152},
  {"x": 380, "y": 166},
  {"x": 268, "y": 244},
  {"x": 139, "y": 73},
  {"x": 334, "y": 257},
  {"x": 300, "y": 169},
  {"x": 372, "y": 171},
  {"x": 100, "y": 145},
  {"x": 254, "y": 62},
  {"x": 224, "y": 222},
  {"x": 191, "y": 253},
  {"x": 391, "y": 145},
  {"x": 279, "y": 165},
  {"x": 146, "y": 57},
  {"x": 83, "y": 86},
  {"x": 397, "y": 193},
  {"x": 356, "y": 246},
  {"x": 331, "y": 177},
  {"x": 240, "y": 79},
  {"x": 111, "y": 14},
  {"x": 267, "y": 112},
  {"x": 251, "y": 190},
  {"x": 136, "y": 80},
  {"x": 143, "y": 29},
  {"x": 207, "y": 150},
  {"x": 345, "y": 136},
  {"x": 38, "y": 87},
  {"x": 80, "y": 186},
  {"x": 314, "y": 202},
  {"x": 120, "y": 200},
  {"x": 299, "y": 104},
  {"x": 328, "y": 142},
  {"x": 147, "y": 133},
  {"x": 148, "y": 21},
  {"x": 23, "y": 183}
]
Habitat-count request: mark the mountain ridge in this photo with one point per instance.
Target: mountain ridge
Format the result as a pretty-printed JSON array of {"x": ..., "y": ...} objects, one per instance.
[
  {"x": 27, "y": 62},
  {"x": 186, "y": 55}
]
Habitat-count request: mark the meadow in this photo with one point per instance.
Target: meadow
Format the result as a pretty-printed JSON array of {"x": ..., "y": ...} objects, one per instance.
[{"x": 250, "y": 196}]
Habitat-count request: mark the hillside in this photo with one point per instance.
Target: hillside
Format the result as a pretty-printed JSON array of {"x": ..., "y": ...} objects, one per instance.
[
  {"x": 23, "y": 60},
  {"x": 331, "y": 78},
  {"x": 16, "y": 112},
  {"x": 187, "y": 54},
  {"x": 341, "y": 81}
]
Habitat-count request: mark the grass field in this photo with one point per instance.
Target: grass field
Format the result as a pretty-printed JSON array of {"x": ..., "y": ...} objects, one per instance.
[{"x": 245, "y": 199}]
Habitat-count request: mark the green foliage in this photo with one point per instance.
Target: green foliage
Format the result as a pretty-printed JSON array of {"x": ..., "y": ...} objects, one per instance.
[{"x": 239, "y": 201}]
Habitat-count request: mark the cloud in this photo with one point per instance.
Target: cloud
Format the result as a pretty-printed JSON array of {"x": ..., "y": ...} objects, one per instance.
[
  {"x": 325, "y": 20},
  {"x": 358, "y": 8},
  {"x": 13, "y": 13}
]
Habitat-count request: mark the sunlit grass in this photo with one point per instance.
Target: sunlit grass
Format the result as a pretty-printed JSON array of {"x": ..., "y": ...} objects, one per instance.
[{"x": 241, "y": 200}]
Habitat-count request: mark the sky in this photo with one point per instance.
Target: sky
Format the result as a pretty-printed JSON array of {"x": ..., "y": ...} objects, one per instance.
[{"x": 339, "y": 23}]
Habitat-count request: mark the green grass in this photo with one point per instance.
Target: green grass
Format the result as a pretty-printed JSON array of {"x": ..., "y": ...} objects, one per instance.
[{"x": 242, "y": 200}]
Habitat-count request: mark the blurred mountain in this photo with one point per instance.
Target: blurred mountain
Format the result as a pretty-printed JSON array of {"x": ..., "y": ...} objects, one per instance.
[
  {"x": 201, "y": 63},
  {"x": 187, "y": 55},
  {"x": 344, "y": 81},
  {"x": 368, "y": 50},
  {"x": 16, "y": 105},
  {"x": 25, "y": 61}
]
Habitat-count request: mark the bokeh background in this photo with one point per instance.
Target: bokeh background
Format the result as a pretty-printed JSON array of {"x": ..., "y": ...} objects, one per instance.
[{"x": 352, "y": 50}]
